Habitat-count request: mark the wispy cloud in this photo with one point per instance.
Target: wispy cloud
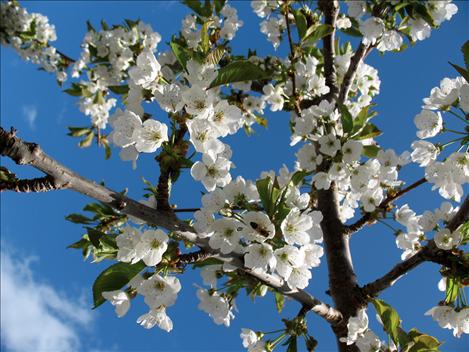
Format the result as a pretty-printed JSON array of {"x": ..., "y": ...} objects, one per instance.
[
  {"x": 30, "y": 115},
  {"x": 34, "y": 315}
]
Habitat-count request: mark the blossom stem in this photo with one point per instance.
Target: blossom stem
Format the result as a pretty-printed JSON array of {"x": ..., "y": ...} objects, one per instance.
[
  {"x": 453, "y": 131},
  {"x": 273, "y": 332},
  {"x": 459, "y": 117},
  {"x": 387, "y": 225},
  {"x": 279, "y": 339},
  {"x": 451, "y": 142}
]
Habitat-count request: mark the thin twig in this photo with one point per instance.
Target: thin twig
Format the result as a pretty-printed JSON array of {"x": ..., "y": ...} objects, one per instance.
[
  {"x": 430, "y": 253},
  {"x": 368, "y": 218}
]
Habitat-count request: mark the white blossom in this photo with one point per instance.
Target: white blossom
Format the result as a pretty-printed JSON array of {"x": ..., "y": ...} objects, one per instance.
[
  {"x": 212, "y": 172},
  {"x": 295, "y": 227},
  {"x": 150, "y": 136},
  {"x": 225, "y": 235},
  {"x": 119, "y": 299},
  {"x": 156, "y": 316},
  {"x": 216, "y": 306},
  {"x": 146, "y": 70},
  {"x": 445, "y": 239},
  {"x": 259, "y": 256},
  {"x": 160, "y": 291}
]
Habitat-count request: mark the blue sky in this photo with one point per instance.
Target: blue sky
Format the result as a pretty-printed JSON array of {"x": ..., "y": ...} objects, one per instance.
[{"x": 46, "y": 288}]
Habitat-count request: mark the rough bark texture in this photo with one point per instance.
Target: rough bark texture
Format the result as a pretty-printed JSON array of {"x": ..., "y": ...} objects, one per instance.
[{"x": 342, "y": 279}]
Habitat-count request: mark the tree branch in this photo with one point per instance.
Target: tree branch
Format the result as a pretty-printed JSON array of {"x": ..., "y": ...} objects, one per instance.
[
  {"x": 40, "y": 184},
  {"x": 355, "y": 62},
  {"x": 430, "y": 253},
  {"x": 24, "y": 153},
  {"x": 292, "y": 55},
  {"x": 330, "y": 9},
  {"x": 369, "y": 218}
]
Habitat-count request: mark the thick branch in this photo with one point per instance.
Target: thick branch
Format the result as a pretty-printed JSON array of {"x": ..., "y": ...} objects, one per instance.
[
  {"x": 25, "y": 153},
  {"x": 430, "y": 253},
  {"x": 40, "y": 184},
  {"x": 330, "y": 9},
  {"x": 369, "y": 218}
]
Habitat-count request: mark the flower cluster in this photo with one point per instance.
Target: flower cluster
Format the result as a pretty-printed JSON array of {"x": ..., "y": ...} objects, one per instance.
[
  {"x": 109, "y": 57},
  {"x": 253, "y": 341},
  {"x": 225, "y": 26},
  {"x": 285, "y": 244},
  {"x": 30, "y": 34},
  {"x": 448, "y": 318},
  {"x": 386, "y": 31},
  {"x": 418, "y": 225},
  {"x": 159, "y": 292},
  {"x": 453, "y": 313},
  {"x": 274, "y": 26},
  {"x": 135, "y": 136},
  {"x": 358, "y": 183},
  {"x": 359, "y": 333},
  {"x": 148, "y": 246},
  {"x": 449, "y": 175}
]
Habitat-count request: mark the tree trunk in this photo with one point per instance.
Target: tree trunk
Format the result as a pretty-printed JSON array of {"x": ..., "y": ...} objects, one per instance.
[{"x": 342, "y": 279}]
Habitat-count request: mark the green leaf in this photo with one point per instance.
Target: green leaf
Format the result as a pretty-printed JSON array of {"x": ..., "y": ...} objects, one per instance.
[
  {"x": 314, "y": 34},
  {"x": 119, "y": 89},
  {"x": 104, "y": 25},
  {"x": 78, "y": 131},
  {"x": 461, "y": 71},
  {"x": 362, "y": 118},
  {"x": 452, "y": 290},
  {"x": 78, "y": 219},
  {"x": 420, "y": 342},
  {"x": 181, "y": 53},
  {"x": 205, "y": 39},
  {"x": 6, "y": 175},
  {"x": 206, "y": 262},
  {"x": 465, "y": 52},
  {"x": 464, "y": 230},
  {"x": 261, "y": 121},
  {"x": 214, "y": 57},
  {"x": 239, "y": 71},
  {"x": 301, "y": 23},
  {"x": 299, "y": 176},
  {"x": 107, "y": 149},
  {"x": 76, "y": 90},
  {"x": 219, "y": 5},
  {"x": 263, "y": 187},
  {"x": 94, "y": 236},
  {"x": 389, "y": 317},
  {"x": 90, "y": 27},
  {"x": 371, "y": 151},
  {"x": 369, "y": 131},
  {"x": 114, "y": 278},
  {"x": 279, "y": 301},
  {"x": 100, "y": 209},
  {"x": 86, "y": 142},
  {"x": 422, "y": 10},
  {"x": 346, "y": 118},
  {"x": 79, "y": 244},
  {"x": 197, "y": 7}
]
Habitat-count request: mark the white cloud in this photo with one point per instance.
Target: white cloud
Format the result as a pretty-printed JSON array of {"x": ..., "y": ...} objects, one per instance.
[
  {"x": 30, "y": 115},
  {"x": 34, "y": 315}
]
